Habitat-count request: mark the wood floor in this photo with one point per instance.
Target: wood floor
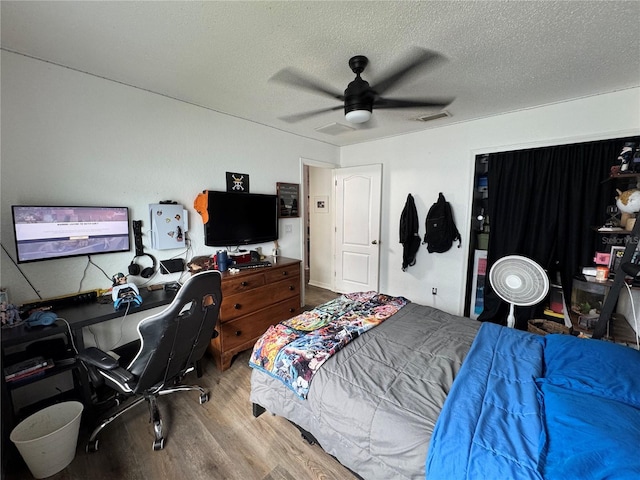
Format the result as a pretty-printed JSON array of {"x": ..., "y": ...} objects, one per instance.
[
  {"x": 314, "y": 296},
  {"x": 217, "y": 440}
]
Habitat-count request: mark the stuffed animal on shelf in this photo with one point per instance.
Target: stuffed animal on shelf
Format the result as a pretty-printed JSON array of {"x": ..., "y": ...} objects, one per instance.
[
  {"x": 9, "y": 314},
  {"x": 628, "y": 201}
]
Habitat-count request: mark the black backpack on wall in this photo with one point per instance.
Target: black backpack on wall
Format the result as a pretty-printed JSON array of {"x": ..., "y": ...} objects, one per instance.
[{"x": 441, "y": 229}]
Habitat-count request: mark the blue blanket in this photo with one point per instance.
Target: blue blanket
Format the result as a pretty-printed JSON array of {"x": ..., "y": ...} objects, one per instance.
[
  {"x": 490, "y": 425},
  {"x": 530, "y": 407}
]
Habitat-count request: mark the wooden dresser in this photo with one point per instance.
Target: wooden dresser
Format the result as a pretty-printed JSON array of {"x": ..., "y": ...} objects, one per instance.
[{"x": 252, "y": 300}]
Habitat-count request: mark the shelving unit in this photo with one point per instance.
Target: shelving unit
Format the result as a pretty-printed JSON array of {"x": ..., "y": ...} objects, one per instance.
[
  {"x": 631, "y": 244},
  {"x": 478, "y": 237},
  {"x": 62, "y": 366}
]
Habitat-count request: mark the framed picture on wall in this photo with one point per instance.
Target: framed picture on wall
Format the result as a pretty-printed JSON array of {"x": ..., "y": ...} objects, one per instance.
[
  {"x": 321, "y": 204},
  {"x": 288, "y": 200}
]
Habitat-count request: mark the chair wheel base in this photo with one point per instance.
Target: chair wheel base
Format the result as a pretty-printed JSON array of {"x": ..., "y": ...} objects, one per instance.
[
  {"x": 158, "y": 444},
  {"x": 204, "y": 398},
  {"x": 92, "y": 446}
]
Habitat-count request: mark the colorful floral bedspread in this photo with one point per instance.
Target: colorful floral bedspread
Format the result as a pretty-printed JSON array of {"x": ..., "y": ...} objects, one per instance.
[{"x": 294, "y": 350}]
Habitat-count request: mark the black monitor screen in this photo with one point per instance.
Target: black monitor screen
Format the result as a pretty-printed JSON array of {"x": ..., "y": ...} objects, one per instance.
[{"x": 240, "y": 219}]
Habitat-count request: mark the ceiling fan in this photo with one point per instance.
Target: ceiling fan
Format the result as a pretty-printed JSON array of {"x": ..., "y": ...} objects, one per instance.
[{"x": 359, "y": 99}]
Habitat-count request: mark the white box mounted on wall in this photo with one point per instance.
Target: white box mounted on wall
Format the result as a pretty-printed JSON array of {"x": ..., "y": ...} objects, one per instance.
[{"x": 168, "y": 226}]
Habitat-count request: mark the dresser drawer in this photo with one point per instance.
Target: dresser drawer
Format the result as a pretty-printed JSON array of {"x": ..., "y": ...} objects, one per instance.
[
  {"x": 252, "y": 300},
  {"x": 234, "y": 306},
  {"x": 275, "y": 274},
  {"x": 247, "y": 330},
  {"x": 242, "y": 283}
]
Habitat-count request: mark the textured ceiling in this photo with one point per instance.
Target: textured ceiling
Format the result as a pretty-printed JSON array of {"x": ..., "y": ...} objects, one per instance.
[{"x": 501, "y": 56}]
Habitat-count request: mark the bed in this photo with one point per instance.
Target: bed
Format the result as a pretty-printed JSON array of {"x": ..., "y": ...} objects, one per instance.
[{"x": 386, "y": 405}]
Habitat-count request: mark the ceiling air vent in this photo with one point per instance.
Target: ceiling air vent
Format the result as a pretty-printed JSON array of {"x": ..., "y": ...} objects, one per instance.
[
  {"x": 335, "y": 129},
  {"x": 433, "y": 116}
]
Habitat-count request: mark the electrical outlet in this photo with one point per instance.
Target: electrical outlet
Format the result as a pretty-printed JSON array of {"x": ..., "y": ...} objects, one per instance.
[
  {"x": 434, "y": 291},
  {"x": 288, "y": 228}
]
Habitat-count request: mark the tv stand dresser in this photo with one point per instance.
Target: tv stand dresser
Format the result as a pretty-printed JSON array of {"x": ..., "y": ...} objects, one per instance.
[{"x": 252, "y": 300}]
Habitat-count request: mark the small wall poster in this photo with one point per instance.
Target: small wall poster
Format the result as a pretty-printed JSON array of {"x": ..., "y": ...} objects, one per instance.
[
  {"x": 237, "y": 182},
  {"x": 321, "y": 204},
  {"x": 288, "y": 199}
]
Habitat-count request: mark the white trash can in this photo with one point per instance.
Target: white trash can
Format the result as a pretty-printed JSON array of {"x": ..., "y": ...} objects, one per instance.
[{"x": 47, "y": 439}]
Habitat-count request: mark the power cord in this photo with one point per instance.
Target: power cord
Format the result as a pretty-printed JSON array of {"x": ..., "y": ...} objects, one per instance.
[
  {"x": 84, "y": 273},
  {"x": 95, "y": 337},
  {"x": 21, "y": 272},
  {"x": 126, "y": 312},
  {"x": 73, "y": 344}
]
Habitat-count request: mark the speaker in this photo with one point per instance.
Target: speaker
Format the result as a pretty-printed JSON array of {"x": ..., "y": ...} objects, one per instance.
[{"x": 147, "y": 272}]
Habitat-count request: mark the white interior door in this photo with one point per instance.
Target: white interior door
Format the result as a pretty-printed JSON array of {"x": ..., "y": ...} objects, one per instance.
[{"x": 358, "y": 194}]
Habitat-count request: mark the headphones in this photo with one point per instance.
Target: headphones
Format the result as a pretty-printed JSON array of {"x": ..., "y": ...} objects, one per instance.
[{"x": 135, "y": 269}]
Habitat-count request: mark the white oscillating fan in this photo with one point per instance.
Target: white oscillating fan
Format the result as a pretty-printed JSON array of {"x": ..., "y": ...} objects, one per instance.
[{"x": 518, "y": 281}]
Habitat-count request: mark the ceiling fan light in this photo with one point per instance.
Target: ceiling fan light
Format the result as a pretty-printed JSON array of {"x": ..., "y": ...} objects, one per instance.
[{"x": 358, "y": 116}]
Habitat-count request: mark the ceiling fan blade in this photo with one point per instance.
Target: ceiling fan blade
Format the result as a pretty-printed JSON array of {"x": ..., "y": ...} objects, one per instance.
[
  {"x": 421, "y": 59},
  {"x": 291, "y": 77},
  {"x": 303, "y": 116},
  {"x": 410, "y": 103}
]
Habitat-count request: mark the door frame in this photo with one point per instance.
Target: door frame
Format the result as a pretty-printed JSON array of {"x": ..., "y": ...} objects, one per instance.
[{"x": 304, "y": 194}]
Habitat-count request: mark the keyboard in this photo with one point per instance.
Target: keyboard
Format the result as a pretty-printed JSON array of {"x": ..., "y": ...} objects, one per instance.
[{"x": 250, "y": 265}]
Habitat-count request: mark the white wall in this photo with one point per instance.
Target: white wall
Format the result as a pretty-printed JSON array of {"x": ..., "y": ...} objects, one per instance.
[
  {"x": 442, "y": 160},
  {"x": 71, "y": 138},
  {"x": 68, "y": 137}
]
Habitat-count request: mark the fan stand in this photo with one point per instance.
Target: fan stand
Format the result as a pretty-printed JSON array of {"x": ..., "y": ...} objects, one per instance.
[{"x": 511, "y": 319}]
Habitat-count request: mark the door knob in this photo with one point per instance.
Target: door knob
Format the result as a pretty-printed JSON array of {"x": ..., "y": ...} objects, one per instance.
[{"x": 375, "y": 242}]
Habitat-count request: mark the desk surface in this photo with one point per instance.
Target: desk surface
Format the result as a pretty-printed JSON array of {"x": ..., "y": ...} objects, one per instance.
[{"x": 83, "y": 315}]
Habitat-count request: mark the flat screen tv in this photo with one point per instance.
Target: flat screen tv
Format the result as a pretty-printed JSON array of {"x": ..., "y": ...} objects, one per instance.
[
  {"x": 240, "y": 219},
  {"x": 48, "y": 232}
]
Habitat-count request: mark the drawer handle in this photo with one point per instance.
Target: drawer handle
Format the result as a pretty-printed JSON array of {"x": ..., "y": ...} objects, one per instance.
[
  {"x": 291, "y": 287},
  {"x": 285, "y": 272},
  {"x": 291, "y": 310},
  {"x": 237, "y": 306},
  {"x": 244, "y": 284},
  {"x": 238, "y": 333}
]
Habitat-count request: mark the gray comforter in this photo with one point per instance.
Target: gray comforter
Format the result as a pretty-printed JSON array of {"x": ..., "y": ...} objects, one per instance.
[{"x": 375, "y": 403}]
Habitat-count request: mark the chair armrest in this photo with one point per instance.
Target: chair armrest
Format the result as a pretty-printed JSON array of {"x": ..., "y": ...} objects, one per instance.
[
  {"x": 121, "y": 377},
  {"x": 97, "y": 358}
]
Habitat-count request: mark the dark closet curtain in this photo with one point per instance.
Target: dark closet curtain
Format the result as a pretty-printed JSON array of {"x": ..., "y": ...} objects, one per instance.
[{"x": 544, "y": 204}]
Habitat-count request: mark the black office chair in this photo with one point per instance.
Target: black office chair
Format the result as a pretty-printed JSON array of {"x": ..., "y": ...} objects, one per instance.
[{"x": 171, "y": 342}]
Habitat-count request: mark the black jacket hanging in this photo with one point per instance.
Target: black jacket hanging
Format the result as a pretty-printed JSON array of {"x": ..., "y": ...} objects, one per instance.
[{"x": 409, "y": 237}]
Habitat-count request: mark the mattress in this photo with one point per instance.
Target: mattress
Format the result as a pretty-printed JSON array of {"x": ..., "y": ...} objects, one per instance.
[{"x": 374, "y": 404}]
